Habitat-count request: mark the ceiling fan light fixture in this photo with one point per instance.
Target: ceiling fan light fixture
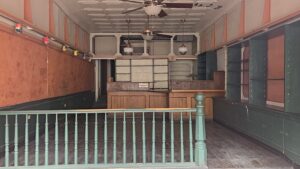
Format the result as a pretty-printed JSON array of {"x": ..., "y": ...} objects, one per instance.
[
  {"x": 153, "y": 10},
  {"x": 147, "y": 35},
  {"x": 182, "y": 49}
]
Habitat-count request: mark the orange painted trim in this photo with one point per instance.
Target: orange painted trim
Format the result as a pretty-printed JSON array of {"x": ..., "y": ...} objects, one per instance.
[
  {"x": 66, "y": 29},
  {"x": 267, "y": 12},
  {"x": 213, "y": 36},
  {"x": 27, "y": 11},
  {"x": 242, "y": 18},
  {"x": 51, "y": 18},
  {"x": 225, "y": 31}
]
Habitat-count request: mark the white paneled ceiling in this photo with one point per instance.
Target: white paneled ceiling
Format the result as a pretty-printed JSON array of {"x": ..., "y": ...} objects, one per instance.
[{"x": 106, "y": 16}]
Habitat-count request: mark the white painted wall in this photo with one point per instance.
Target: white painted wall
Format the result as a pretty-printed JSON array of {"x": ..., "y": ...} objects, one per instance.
[
  {"x": 221, "y": 54},
  {"x": 14, "y": 7},
  {"x": 40, "y": 14},
  {"x": 105, "y": 45}
]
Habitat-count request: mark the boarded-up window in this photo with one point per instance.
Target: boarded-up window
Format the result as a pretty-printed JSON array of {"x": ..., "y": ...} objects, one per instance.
[
  {"x": 275, "y": 81},
  {"x": 245, "y": 72}
]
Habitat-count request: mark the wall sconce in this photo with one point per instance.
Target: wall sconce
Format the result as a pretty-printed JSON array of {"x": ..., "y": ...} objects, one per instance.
[
  {"x": 46, "y": 40},
  {"x": 18, "y": 28},
  {"x": 75, "y": 52},
  {"x": 64, "y": 48}
]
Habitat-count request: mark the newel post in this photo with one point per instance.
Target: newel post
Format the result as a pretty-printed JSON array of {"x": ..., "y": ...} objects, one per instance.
[{"x": 200, "y": 145}]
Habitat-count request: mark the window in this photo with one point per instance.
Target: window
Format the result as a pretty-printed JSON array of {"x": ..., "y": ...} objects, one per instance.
[
  {"x": 245, "y": 73},
  {"x": 275, "y": 74}
]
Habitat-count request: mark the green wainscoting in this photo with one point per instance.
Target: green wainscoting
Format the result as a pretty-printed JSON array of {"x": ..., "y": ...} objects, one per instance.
[
  {"x": 81, "y": 100},
  {"x": 277, "y": 129}
]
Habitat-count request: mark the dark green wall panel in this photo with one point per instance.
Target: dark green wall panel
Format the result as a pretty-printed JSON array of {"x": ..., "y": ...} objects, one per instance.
[
  {"x": 234, "y": 73},
  {"x": 292, "y": 68},
  {"x": 258, "y": 71},
  {"x": 211, "y": 64},
  {"x": 277, "y": 129}
]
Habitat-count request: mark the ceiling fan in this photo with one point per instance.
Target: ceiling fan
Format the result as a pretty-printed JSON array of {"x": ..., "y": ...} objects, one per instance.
[
  {"x": 149, "y": 34},
  {"x": 154, "y": 7}
]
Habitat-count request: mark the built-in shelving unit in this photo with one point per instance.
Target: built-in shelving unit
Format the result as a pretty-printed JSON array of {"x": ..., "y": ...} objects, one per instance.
[
  {"x": 234, "y": 73},
  {"x": 207, "y": 65}
]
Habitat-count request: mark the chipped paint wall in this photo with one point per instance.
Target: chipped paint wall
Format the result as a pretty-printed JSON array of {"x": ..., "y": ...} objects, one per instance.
[{"x": 245, "y": 18}]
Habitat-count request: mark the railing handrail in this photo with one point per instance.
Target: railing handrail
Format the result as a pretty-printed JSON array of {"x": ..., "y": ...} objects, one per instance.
[{"x": 92, "y": 111}]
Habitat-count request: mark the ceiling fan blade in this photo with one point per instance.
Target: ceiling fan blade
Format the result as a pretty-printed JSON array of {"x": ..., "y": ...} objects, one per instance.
[
  {"x": 178, "y": 5},
  {"x": 125, "y": 12},
  {"x": 162, "y": 14},
  {"x": 163, "y": 35},
  {"x": 136, "y": 2}
]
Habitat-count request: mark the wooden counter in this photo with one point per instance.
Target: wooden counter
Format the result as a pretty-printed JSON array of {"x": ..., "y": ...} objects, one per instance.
[
  {"x": 137, "y": 100},
  {"x": 186, "y": 99}
]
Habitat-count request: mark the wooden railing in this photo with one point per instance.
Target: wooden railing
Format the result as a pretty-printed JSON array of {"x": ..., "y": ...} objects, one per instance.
[{"x": 56, "y": 139}]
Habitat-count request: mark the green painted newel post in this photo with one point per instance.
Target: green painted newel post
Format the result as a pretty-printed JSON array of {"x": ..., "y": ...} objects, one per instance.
[{"x": 200, "y": 146}]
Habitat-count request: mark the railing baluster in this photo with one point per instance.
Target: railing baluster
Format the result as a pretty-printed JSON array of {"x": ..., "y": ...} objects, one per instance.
[
  {"x": 66, "y": 141},
  {"x": 76, "y": 140},
  {"x": 153, "y": 138},
  {"x": 191, "y": 137},
  {"x": 115, "y": 140},
  {"x": 16, "y": 149},
  {"x": 200, "y": 137},
  {"x": 124, "y": 137},
  {"x": 144, "y": 139},
  {"x": 105, "y": 139},
  {"x": 164, "y": 138},
  {"x": 26, "y": 141},
  {"x": 37, "y": 141},
  {"x": 181, "y": 139},
  {"x": 46, "y": 140},
  {"x": 96, "y": 140},
  {"x": 56, "y": 140},
  {"x": 172, "y": 137},
  {"x": 6, "y": 141},
  {"x": 133, "y": 138},
  {"x": 86, "y": 147}
]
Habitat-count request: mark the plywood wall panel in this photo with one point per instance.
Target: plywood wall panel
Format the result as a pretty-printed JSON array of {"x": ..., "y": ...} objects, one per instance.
[
  {"x": 26, "y": 76},
  {"x": 14, "y": 7},
  {"x": 233, "y": 19},
  {"x": 254, "y": 12},
  {"x": 40, "y": 14},
  {"x": 282, "y": 8},
  {"x": 23, "y": 70},
  {"x": 68, "y": 75}
]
